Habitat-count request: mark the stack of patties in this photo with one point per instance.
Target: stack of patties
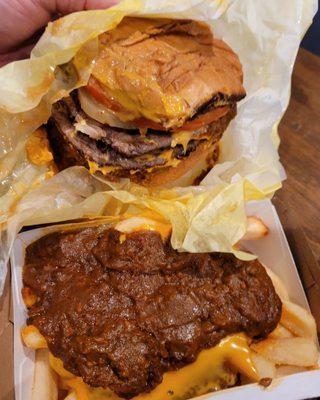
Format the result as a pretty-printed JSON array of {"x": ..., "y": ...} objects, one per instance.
[{"x": 159, "y": 98}]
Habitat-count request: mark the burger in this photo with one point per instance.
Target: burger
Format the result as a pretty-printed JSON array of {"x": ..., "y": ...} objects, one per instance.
[{"x": 160, "y": 95}]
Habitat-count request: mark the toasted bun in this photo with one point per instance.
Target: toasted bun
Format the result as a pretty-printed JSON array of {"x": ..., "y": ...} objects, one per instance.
[{"x": 165, "y": 70}]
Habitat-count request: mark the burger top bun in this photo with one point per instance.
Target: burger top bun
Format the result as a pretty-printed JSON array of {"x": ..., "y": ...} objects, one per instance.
[{"x": 165, "y": 70}]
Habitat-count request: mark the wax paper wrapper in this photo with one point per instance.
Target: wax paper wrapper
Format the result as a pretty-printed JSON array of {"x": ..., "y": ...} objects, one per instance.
[{"x": 265, "y": 35}]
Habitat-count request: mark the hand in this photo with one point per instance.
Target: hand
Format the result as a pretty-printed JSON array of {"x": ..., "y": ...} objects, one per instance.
[{"x": 22, "y": 19}]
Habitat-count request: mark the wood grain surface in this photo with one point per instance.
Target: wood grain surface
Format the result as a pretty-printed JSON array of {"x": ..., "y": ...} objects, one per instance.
[{"x": 300, "y": 149}]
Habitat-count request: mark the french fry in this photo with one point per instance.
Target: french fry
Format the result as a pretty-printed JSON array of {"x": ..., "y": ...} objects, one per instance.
[
  {"x": 298, "y": 320},
  {"x": 131, "y": 224},
  {"x": 57, "y": 365},
  {"x": 45, "y": 380},
  {"x": 301, "y": 352},
  {"x": 256, "y": 229},
  {"x": 28, "y": 296},
  {"x": 136, "y": 223},
  {"x": 278, "y": 285},
  {"x": 265, "y": 368},
  {"x": 32, "y": 337},
  {"x": 71, "y": 396},
  {"x": 280, "y": 333}
]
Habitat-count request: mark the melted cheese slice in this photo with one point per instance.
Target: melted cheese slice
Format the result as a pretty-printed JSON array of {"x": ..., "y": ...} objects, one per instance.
[
  {"x": 181, "y": 137},
  {"x": 94, "y": 167},
  {"x": 207, "y": 373}
]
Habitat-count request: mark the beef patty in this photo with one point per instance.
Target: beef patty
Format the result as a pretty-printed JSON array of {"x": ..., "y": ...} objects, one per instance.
[
  {"x": 76, "y": 139},
  {"x": 121, "y": 314}
]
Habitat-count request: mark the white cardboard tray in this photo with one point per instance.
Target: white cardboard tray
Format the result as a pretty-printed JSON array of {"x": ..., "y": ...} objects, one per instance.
[{"x": 273, "y": 251}]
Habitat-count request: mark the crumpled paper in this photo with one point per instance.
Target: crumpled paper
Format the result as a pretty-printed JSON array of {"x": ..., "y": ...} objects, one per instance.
[{"x": 211, "y": 217}]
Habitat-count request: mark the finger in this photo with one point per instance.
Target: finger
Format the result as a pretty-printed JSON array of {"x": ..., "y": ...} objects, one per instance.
[{"x": 66, "y": 7}]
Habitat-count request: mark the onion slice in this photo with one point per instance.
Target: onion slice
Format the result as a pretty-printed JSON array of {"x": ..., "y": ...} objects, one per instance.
[{"x": 99, "y": 112}]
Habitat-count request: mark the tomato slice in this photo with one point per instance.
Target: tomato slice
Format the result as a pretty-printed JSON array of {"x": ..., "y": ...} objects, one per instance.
[
  {"x": 93, "y": 87},
  {"x": 147, "y": 123},
  {"x": 192, "y": 125},
  {"x": 205, "y": 119}
]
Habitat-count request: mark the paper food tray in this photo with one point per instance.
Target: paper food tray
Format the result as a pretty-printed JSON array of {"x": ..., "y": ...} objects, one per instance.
[{"x": 273, "y": 251}]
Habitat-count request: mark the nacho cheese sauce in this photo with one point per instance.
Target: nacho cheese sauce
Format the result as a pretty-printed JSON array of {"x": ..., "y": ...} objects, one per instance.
[{"x": 210, "y": 372}]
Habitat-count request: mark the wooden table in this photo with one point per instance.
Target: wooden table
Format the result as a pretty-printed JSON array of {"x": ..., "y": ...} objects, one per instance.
[{"x": 300, "y": 148}]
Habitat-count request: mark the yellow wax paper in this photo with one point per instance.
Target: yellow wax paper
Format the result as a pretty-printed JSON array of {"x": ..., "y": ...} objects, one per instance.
[{"x": 211, "y": 217}]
